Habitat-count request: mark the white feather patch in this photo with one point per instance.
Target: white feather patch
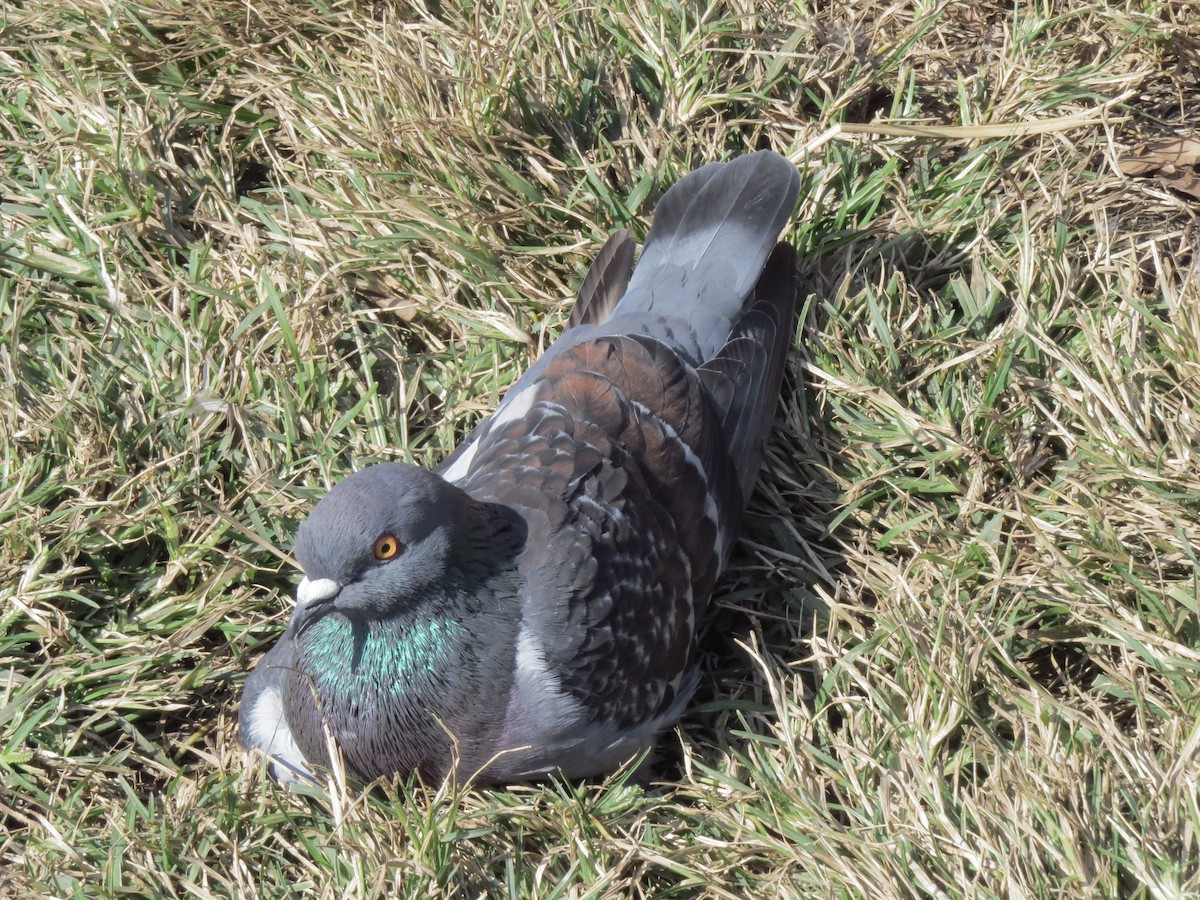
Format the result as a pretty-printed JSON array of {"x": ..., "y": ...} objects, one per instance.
[
  {"x": 269, "y": 731},
  {"x": 537, "y": 705},
  {"x": 510, "y": 408}
]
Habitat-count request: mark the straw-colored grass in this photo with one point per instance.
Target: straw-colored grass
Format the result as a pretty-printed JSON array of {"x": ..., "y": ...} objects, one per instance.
[{"x": 248, "y": 247}]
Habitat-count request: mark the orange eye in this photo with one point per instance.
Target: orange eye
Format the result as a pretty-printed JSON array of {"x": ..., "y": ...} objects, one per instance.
[{"x": 386, "y": 547}]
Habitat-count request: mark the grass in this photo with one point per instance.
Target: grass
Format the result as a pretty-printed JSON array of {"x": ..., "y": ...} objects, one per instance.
[{"x": 247, "y": 248}]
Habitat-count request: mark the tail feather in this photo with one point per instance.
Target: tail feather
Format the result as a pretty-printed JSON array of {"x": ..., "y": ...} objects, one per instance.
[
  {"x": 746, "y": 374},
  {"x": 711, "y": 237},
  {"x": 606, "y": 281}
]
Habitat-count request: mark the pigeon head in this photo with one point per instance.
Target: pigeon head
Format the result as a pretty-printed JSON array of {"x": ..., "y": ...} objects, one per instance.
[{"x": 378, "y": 542}]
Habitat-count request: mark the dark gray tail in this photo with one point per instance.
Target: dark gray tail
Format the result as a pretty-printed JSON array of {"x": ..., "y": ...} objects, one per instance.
[
  {"x": 712, "y": 234},
  {"x": 745, "y": 376}
]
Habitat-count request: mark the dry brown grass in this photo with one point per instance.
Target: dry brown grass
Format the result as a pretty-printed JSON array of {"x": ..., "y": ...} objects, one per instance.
[{"x": 245, "y": 248}]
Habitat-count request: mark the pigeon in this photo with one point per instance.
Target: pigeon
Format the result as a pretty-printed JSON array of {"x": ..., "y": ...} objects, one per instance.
[{"x": 532, "y": 606}]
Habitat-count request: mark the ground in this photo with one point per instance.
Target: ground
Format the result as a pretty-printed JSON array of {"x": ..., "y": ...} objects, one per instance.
[{"x": 248, "y": 247}]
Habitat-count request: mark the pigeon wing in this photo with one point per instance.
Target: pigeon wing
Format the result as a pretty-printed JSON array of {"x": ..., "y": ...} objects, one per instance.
[{"x": 618, "y": 465}]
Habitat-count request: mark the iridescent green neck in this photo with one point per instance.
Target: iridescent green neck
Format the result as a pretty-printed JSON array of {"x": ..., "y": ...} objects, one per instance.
[{"x": 376, "y": 659}]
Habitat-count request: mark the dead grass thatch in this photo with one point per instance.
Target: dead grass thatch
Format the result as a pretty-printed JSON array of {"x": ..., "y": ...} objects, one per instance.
[{"x": 246, "y": 248}]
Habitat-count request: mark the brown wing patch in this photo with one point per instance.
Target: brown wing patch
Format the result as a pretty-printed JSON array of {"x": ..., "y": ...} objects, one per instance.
[{"x": 620, "y": 472}]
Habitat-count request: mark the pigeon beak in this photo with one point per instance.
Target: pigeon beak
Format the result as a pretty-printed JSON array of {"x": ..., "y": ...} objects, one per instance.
[
  {"x": 314, "y": 598},
  {"x": 309, "y": 591}
]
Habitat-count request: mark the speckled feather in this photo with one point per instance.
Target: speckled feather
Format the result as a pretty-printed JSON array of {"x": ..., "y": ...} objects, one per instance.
[{"x": 553, "y": 574}]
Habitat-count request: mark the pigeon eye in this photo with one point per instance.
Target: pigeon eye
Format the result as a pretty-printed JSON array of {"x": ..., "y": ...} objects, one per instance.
[{"x": 387, "y": 547}]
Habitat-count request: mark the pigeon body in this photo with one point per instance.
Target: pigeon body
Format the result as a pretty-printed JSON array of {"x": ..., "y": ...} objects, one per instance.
[{"x": 533, "y": 605}]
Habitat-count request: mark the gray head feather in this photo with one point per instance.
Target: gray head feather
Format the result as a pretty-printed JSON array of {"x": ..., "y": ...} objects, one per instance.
[{"x": 338, "y": 541}]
